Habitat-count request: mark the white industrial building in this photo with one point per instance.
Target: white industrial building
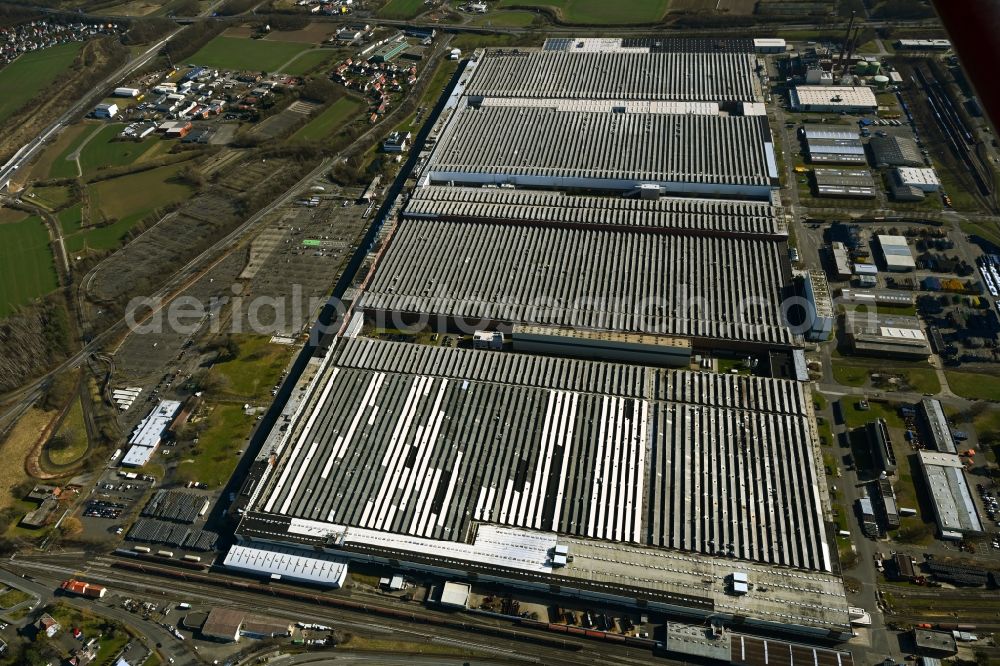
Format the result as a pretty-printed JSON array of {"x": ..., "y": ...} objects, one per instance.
[
  {"x": 872, "y": 334},
  {"x": 841, "y": 261},
  {"x": 923, "y": 44},
  {"x": 126, "y": 92},
  {"x": 921, "y": 178},
  {"x": 954, "y": 507},
  {"x": 277, "y": 563},
  {"x": 936, "y": 425},
  {"x": 148, "y": 435},
  {"x": 896, "y": 252},
  {"x": 106, "y": 110},
  {"x": 816, "y": 76},
  {"x": 816, "y": 291},
  {"x": 769, "y": 45},
  {"x": 834, "y": 99}
]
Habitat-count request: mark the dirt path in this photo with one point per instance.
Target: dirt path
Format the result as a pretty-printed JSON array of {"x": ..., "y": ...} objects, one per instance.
[
  {"x": 293, "y": 59},
  {"x": 75, "y": 155}
]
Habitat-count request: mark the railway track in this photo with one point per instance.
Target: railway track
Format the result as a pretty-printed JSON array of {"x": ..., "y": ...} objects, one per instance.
[{"x": 958, "y": 136}]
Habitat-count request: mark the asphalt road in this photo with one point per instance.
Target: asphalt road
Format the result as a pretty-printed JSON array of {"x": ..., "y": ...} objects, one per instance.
[
  {"x": 53, "y": 569},
  {"x": 27, "y": 152},
  {"x": 150, "y": 633},
  {"x": 380, "y": 658}
]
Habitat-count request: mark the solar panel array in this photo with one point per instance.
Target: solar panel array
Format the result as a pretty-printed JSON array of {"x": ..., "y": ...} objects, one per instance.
[
  {"x": 150, "y": 530},
  {"x": 175, "y": 505}
]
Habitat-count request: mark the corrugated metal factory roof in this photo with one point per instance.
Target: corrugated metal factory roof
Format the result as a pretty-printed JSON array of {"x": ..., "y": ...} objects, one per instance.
[
  {"x": 588, "y": 74},
  {"x": 670, "y": 214},
  {"x": 701, "y": 287},
  {"x": 545, "y": 143},
  {"x": 424, "y": 441}
]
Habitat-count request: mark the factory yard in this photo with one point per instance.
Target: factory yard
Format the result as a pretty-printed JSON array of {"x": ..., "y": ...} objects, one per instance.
[{"x": 658, "y": 344}]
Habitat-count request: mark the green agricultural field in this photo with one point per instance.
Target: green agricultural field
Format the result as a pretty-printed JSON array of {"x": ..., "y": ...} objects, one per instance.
[
  {"x": 127, "y": 199},
  {"x": 24, "y": 78},
  {"x": 402, "y": 9},
  {"x": 247, "y": 54},
  {"x": 53, "y": 198},
  {"x": 71, "y": 219},
  {"x": 598, "y": 12},
  {"x": 505, "y": 19},
  {"x": 309, "y": 61},
  {"x": 27, "y": 268},
  {"x": 333, "y": 117},
  {"x": 62, "y": 166},
  {"x": 103, "y": 151}
]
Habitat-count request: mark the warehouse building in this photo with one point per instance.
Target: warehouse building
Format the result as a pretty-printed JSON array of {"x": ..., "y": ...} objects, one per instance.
[
  {"x": 834, "y": 99},
  {"x": 487, "y": 275},
  {"x": 106, "y": 111},
  {"x": 923, "y": 44},
  {"x": 901, "y": 191},
  {"x": 936, "y": 427},
  {"x": 278, "y": 563},
  {"x": 593, "y": 146},
  {"x": 954, "y": 507},
  {"x": 702, "y": 644},
  {"x": 895, "y": 151},
  {"x": 769, "y": 45},
  {"x": 841, "y": 261},
  {"x": 922, "y": 179},
  {"x": 816, "y": 291},
  {"x": 675, "y": 215},
  {"x": 828, "y": 131},
  {"x": 148, "y": 435},
  {"x": 896, "y": 253},
  {"x": 836, "y": 151},
  {"x": 844, "y": 183},
  {"x": 876, "y": 297},
  {"x": 833, "y": 144},
  {"x": 880, "y": 443},
  {"x": 485, "y": 464},
  {"x": 872, "y": 334}
]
